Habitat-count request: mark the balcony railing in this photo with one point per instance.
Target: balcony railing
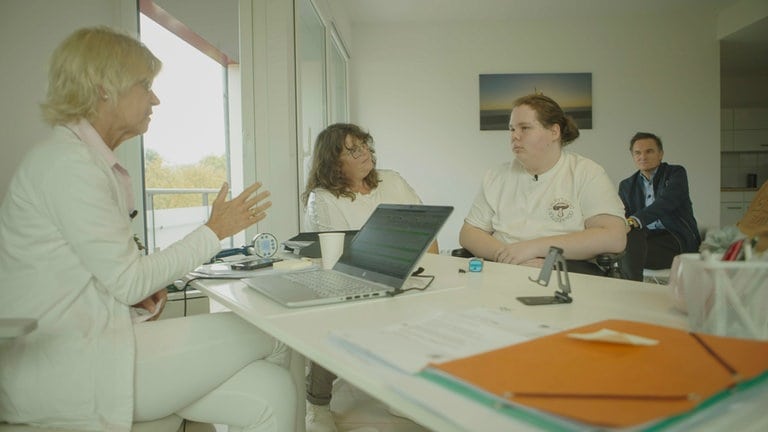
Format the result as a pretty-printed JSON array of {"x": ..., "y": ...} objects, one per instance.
[{"x": 165, "y": 226}]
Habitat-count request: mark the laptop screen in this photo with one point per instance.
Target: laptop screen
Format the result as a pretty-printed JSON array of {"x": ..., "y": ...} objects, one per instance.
[{"x": 394, "y": 238}]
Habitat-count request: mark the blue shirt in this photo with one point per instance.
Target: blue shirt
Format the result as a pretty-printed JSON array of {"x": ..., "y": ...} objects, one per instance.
[{"x": 650, "y": 197}]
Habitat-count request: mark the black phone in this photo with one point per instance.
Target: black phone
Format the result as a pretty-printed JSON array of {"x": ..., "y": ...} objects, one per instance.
[{"x": 254, "y": 264}]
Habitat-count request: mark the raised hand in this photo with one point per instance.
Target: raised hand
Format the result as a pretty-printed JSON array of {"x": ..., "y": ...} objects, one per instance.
[{"x": 230, "y": 217}]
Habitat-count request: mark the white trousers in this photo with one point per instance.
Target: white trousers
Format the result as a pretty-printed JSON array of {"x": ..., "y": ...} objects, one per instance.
[{"x": 213, "y": 368}]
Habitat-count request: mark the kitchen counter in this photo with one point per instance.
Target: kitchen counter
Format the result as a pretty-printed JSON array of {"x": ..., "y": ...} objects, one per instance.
[{"x": 738, "y": 189}]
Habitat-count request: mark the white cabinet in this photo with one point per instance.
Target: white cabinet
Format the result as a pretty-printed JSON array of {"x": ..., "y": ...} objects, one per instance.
[
  {"x": 726, "y": 140},
  {"x": 750, "y": 118},
  {"x": 726, "y": 130},
  {"x": 744, "y": 129},
  {"x": 750, "y": 140},
  {"x": 733, "y": 205},
  {"x": 731, "y": 213}
]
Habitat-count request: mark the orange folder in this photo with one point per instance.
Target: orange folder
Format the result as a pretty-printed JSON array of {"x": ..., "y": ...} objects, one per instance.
[{"x": 614, "y": 385}]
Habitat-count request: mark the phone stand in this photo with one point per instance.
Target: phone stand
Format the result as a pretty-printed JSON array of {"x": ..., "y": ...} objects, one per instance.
[{"x": 554, "y": 260}]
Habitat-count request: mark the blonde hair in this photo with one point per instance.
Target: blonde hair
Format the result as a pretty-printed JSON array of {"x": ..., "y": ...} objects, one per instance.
[{"x": 90, "y": 64}]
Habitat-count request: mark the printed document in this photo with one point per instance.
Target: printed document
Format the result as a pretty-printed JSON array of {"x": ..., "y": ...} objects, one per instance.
[{"x": 410, "y": 346}]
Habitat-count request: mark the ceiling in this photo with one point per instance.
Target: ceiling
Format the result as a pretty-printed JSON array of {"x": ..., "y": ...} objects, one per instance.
[
  {"x": 743, "y": 52},
  {"x": 478, "y": 10}
]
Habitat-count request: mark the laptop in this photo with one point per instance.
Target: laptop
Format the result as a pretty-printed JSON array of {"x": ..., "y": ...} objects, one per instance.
[
  {"x": 377, "y": 262},
  {"x": 307, "y": 244}
]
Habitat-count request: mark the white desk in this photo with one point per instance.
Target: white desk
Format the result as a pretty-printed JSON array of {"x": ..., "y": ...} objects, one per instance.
[{"x": 306, "y": 329}]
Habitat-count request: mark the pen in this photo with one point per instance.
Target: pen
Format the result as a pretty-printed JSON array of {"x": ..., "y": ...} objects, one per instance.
[
  {"x": 734, "y": 373},
  {"x": 685, "y": 396}
]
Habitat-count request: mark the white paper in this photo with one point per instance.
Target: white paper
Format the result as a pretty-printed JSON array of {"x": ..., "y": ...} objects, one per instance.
[
  {"x": 613, "y": 336},
  {"x": 224, "y": 271},
  {"x": 410, "y": 346}
]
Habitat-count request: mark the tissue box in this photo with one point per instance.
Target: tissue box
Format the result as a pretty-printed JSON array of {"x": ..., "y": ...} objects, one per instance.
[{"x": 726, "y": 298}]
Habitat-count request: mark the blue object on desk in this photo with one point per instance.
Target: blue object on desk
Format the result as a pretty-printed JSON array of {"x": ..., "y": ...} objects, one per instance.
[{"x": 475, "y": 264}]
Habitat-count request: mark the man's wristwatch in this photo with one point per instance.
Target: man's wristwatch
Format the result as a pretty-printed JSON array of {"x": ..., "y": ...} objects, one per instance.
[{"x": 633, "y": 224}]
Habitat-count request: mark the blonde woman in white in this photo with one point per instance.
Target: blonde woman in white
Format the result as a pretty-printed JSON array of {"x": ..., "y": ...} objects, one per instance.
[{"x": 69, "y": 260}]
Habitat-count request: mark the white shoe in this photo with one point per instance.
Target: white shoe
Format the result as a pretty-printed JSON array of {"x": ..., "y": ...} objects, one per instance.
[{"x": 320, "y": 418}]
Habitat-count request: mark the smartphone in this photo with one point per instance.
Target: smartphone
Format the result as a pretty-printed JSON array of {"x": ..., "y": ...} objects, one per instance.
[{"x": 254, "y": 264}]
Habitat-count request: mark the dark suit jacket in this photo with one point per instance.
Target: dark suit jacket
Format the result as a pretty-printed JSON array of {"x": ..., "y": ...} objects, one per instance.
[{"x": 672, "y": 205}]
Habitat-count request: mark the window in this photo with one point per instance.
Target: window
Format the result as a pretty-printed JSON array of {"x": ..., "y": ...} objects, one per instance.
[
  {"x": 321, "y": 81},
  {"x": 337, "y": 78},
  {"x": 310, "y": 82},
  {"x": 186, "y": 149}
]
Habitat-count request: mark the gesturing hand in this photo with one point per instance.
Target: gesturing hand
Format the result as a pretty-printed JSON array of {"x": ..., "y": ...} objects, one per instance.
[{"x": 230, "y": 217}]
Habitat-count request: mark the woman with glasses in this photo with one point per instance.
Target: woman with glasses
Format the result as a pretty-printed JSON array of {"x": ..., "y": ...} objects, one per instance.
[
  {"x": 344, "y": 186},
  {"x": 343, "y": 189}
]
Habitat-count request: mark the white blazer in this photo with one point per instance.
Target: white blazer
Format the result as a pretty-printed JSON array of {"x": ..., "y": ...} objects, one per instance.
[{"x": 68, "y": 259}]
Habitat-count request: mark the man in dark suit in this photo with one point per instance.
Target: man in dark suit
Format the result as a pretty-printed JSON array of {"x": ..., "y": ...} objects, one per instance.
[{"x": 658, "y": 210}]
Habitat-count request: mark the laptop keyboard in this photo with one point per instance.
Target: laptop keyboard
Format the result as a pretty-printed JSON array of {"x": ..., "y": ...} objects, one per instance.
[{"x": 333, "y": 284}]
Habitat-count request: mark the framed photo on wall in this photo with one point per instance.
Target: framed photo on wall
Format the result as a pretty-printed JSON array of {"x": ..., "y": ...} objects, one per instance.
[{"x": 572, "y": 91}]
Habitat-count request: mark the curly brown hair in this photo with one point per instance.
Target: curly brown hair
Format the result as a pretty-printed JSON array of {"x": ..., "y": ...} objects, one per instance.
[{"x": 326, "y": 161}]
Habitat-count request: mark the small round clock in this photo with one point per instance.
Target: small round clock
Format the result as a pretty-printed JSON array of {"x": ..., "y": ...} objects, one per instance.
[{"x": 264, "y": 245}]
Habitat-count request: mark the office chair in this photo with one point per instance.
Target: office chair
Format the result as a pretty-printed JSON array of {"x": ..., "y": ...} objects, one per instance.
[{"x": 608, "y": 263}]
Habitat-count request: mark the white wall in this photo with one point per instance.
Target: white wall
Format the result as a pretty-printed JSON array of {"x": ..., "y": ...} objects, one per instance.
[
  {"x": 29, "y": 32},
  {"x": 415, "y": 87}
]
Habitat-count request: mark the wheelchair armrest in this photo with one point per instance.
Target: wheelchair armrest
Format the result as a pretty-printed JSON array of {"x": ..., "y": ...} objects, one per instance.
[
  {"x": 462, "y": 253},
  {"x": 608, "y": 259},
  {"x": 609, "y": 264}
]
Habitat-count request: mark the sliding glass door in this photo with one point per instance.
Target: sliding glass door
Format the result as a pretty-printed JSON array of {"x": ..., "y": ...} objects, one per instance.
[{"x": 321, "y": 82}]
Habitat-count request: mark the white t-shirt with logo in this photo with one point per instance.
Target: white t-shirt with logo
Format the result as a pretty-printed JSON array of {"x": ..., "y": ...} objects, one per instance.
[{"x": 515, "y": 206}]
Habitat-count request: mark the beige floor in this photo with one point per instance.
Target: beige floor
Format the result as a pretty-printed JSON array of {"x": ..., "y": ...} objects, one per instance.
[{"x": 354, "y": 411}]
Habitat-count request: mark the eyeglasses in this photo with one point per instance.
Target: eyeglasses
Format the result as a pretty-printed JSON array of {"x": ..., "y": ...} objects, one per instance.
[
  {"x": 357, "y": 150},
  {"x": 146, "y": 84}
]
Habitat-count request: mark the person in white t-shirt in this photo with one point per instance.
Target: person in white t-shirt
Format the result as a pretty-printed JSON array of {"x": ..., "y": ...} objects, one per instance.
[
  {"x": 343, "y": 188},
  {"x": 546, "y": 196}
]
